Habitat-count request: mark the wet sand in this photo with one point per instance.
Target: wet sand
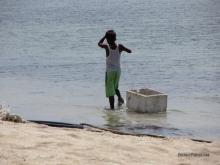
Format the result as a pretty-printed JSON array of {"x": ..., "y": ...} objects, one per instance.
[{"x": 30, "y": 143}]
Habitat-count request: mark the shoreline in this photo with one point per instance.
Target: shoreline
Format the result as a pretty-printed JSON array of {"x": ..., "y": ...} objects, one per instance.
[{"x": 31, "y": 143}]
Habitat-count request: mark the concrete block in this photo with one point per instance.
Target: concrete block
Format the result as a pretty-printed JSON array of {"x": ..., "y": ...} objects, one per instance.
[{"x": 146, "y": 101}]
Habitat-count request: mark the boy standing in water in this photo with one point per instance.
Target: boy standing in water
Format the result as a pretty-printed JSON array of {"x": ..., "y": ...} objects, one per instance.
[{"x": 113, "y": 69}]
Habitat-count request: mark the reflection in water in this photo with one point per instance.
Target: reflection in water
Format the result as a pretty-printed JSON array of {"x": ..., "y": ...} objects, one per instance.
[
  {"x": 113, "y": 119},
  {"x": 133, "y": 122},
  {"x": 159, "y": 119}
]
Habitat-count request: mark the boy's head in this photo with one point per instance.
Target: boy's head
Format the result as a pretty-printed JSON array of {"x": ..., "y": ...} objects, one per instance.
[{"x": 110, "y": 36}]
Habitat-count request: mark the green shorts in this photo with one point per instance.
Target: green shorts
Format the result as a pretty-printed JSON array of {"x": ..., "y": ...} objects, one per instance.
[{"x": 111, "y": 82}]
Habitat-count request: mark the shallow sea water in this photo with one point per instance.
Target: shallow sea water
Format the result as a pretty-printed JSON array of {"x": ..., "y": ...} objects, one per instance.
[{"x": 51, "y": 67}]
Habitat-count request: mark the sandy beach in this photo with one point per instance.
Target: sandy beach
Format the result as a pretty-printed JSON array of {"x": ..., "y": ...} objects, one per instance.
[{"x": 30, "y": 143}]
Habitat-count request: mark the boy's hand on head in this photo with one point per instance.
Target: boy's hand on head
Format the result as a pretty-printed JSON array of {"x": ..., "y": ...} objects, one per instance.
[{"x": 100, "y": 43}]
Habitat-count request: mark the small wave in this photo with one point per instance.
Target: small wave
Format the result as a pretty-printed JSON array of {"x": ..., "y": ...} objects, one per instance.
[
  {"x": 214, "y": 99},
  {"x": 175, "y": 110},
  {"x": 152, "y": 127}
]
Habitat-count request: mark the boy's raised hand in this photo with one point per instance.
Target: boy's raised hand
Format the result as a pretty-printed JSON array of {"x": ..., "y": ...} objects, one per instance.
[{"x": 100, "y": 43}]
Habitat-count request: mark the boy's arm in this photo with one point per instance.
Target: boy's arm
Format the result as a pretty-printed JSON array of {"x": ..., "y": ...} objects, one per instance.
[
  {"x": 100, "y": 44},
  {"x": 123, "y": 48}
]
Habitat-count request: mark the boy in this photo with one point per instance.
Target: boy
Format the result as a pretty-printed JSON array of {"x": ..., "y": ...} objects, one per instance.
[{"x": 113, "y": 69}]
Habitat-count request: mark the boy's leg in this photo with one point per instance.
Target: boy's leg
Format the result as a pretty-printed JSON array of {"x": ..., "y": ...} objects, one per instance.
[
  {"x": 118, "y": 93},
  {"x": 111, "y": 102},
  {"x": 120, "y": 99}
]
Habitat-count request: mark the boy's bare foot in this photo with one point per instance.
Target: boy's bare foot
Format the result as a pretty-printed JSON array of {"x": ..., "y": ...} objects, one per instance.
[{"x": 120, "y": 101}]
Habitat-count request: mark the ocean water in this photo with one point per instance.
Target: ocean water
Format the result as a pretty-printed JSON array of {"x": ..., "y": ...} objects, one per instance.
[{"x": 52, "y": 69}]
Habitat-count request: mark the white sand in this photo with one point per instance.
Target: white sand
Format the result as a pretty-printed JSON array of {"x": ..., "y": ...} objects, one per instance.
[{"x": 39, "y": 144}]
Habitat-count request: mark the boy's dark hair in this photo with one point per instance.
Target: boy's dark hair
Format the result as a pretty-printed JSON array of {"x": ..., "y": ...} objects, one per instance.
[{"x": 111, "y": 35}]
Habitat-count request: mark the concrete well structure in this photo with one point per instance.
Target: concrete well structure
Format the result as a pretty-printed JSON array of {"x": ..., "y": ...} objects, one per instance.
[{"x": 146, "y": 101}]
